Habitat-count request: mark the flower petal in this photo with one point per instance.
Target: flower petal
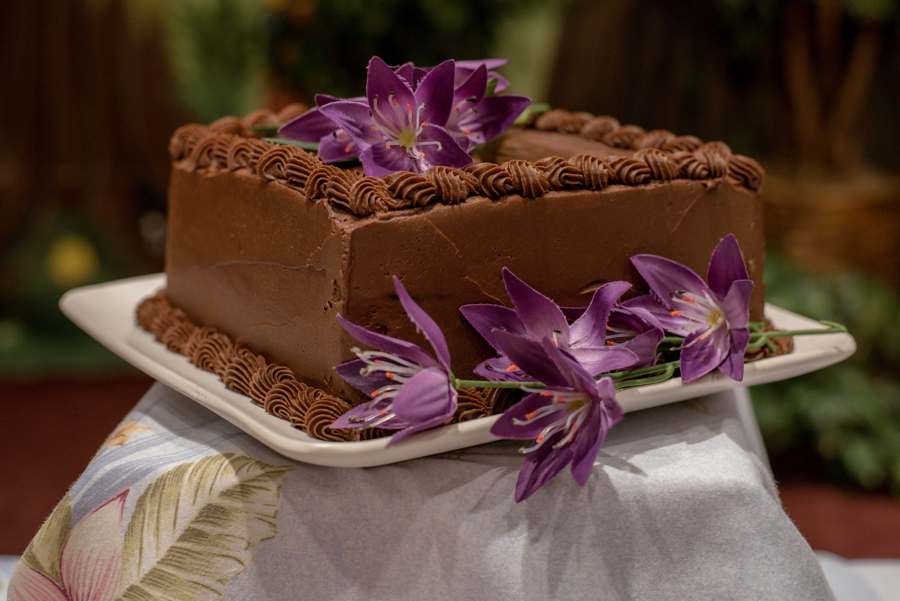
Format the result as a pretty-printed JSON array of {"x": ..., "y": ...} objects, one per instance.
[
  {"x": 354, "y": 119},
  {"x": 91, "y": 559},
  {"x": 435, "y": 91},
  {"x": 27, "y": 584},
  {"x": 733, "y": 365},
  {"x": 604, "y": 359},
  {"x": 736, "y": 303},
  {"x": 665, "y": 276},
  {"x": 505, "y": 426},
  {"x": 485, "y": 318},
  {"x": 362, "y": 412},
  {"x": 495, "y": 114},
  {"x": 388, "y": 95},
  {"x": 541, "y": 317},
  {"x": 395, "y": 346},
  {"x": 311, "y": 126},
  {"x": 539, "y": 467},
  {"x": 368, "y": 384},
  {"x": 658, "y": 311},
  {"x": 337, "y": 146},
  {"x": 703, "y": 351},
  {"x": 425, "y": 397},
  {"x": 590, "y": 328},
  {"x": 380, "y": 160},
  {"x": 726, "y": 266},
  {"x": 447, "y": 152},
  {"x": 529, "y": 355},
  {"x": 424, "y": 324}
]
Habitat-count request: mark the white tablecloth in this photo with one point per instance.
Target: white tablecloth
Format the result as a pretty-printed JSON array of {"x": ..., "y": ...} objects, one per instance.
[{"x": 678, "y": 507}]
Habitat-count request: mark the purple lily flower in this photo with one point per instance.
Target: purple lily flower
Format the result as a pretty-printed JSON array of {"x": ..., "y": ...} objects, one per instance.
[
  {"x": 535, "y": 317},
  {"x": 632, "y": 327},
  {"x": 568, "y": 421},
  {"x": 401, "y": 129},
  {"x": 410, "y": 388},
  {"x": 313, "y": 126},
  {"x": 713, "y": 316},
  {"x": 476, "y": 118}
]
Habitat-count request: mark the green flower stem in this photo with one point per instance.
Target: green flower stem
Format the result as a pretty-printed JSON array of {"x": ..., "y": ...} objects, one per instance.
[{"x": 662, "y": 371}]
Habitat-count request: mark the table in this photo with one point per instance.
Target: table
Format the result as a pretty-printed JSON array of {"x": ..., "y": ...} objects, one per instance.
[{"x": 681, "y": 505}]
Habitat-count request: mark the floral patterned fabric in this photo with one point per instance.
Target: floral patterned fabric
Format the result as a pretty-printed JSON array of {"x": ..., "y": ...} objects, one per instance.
[{"x": 179, "y": 504}]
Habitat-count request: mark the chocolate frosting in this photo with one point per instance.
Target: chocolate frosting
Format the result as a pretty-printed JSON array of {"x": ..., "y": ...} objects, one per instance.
[
  {"x": 322, "y": 414},
  {"x": 240, "y": 370},
  {"x": 526, "y": 179},
  {"x": 416, "y": 190},
  {"x": 560, "y": 174},
  {"x": 265, "y": 378},
  {"x": 493, "y": 180}
]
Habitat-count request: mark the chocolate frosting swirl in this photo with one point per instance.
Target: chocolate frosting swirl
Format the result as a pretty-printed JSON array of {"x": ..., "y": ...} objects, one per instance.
[
  {"x": 322, "y": 414},
  {"x": 681, "y": 144},
  {"x": 246, "y": 153},
  {"x": 175, "y": 337},
  {"x": 746, "y": 171},
  {"x": 198, "y": 335},
  {"x": 493, "y": 180},
  {"x": 203, "y": 154},
  {"x": 655, "y": 139},
  {"x": 661, "y": 166},
  {"x": 337, "y": 190},
  {"x": 553, "y": 120},
  {"x": 299, "y": 166},
  {"x": 418, "y": 190},
  {"x": 595, "y": 171},
  {"x": 626, "y": 136},
  {"x": 284, "y": 400},
  {"x": 213, "y": 352},
  {"x": 560, "y": 173},
  {"x": 716, "y": 156},
  {"x": 317, "y": 182},
  {"x": 264, "y": 379},
  {"x": 183, "y": 140},
  {"x": 599, "y": 127},
  {"x": 630, "y": 171},
  {"x": 452, "y": 185},
  {"x": 240, "y": 370},
  {"x": 272, "y": 163},
  {"x": 221, "y": 148},
  {"x": 691, "y": 166},
  {"x": 371, "y": 194},
  {"x": 526, "y": 180},
  {"x": 473, "y": 403}
]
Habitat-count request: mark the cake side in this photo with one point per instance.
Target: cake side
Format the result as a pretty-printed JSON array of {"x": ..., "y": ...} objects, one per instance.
[{"x": 565, "y": 244}]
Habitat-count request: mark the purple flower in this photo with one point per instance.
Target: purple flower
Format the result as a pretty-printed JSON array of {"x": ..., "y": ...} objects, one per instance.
[
  {"x": 410, "y": 388},
  {"x": 314, "y": 126},
  {"x": 401, "y": 129},
  {"x": 632, "y": 327},
  {"x": 535, "y": 317},
  {"x": 476, "y": 118},
  {"x": 568, "y": 421},
  {"x": 712, "y": 317}
]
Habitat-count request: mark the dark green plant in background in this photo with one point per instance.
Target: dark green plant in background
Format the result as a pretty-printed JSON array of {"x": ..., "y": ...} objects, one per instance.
[
  {"x": 849, "y": 413},
  {"x": 345, "y": 34}
]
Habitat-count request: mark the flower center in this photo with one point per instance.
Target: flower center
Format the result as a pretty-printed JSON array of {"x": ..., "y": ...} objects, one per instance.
[
  {"x": 403, "y": 127},
  {"x": 395, "y": 369},
  {"x": 572, "y": 408}
]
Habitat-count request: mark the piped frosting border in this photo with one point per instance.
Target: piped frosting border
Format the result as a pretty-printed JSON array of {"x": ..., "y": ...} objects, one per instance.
[{"x": 230, "y": 144}]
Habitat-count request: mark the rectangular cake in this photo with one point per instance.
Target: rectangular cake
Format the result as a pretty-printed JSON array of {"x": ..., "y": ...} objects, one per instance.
[{"x": 267, "y": 244}]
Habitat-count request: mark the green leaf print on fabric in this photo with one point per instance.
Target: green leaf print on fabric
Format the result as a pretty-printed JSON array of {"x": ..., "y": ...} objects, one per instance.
[
  {"x": 193, "y": 528},
  {"x": 45, "y": 548}
]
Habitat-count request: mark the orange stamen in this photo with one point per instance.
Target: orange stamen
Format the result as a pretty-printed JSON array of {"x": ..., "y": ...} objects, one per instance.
[
  {"x": 609, "y": 343},
  {"x": 546, "y": 393},
  {"x": 512, "y": 368},
  {"x": 408, "y": 108},
  {"x": 388, "y": 375},
  {"x": 531, "y": 414}
]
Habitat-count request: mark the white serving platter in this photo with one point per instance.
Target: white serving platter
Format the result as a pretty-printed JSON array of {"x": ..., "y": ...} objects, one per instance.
[{"x": 107, "y": 313}]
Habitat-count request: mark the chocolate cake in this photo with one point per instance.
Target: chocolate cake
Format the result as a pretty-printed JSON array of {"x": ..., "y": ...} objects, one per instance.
[{"x": 267, "y": 244}]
